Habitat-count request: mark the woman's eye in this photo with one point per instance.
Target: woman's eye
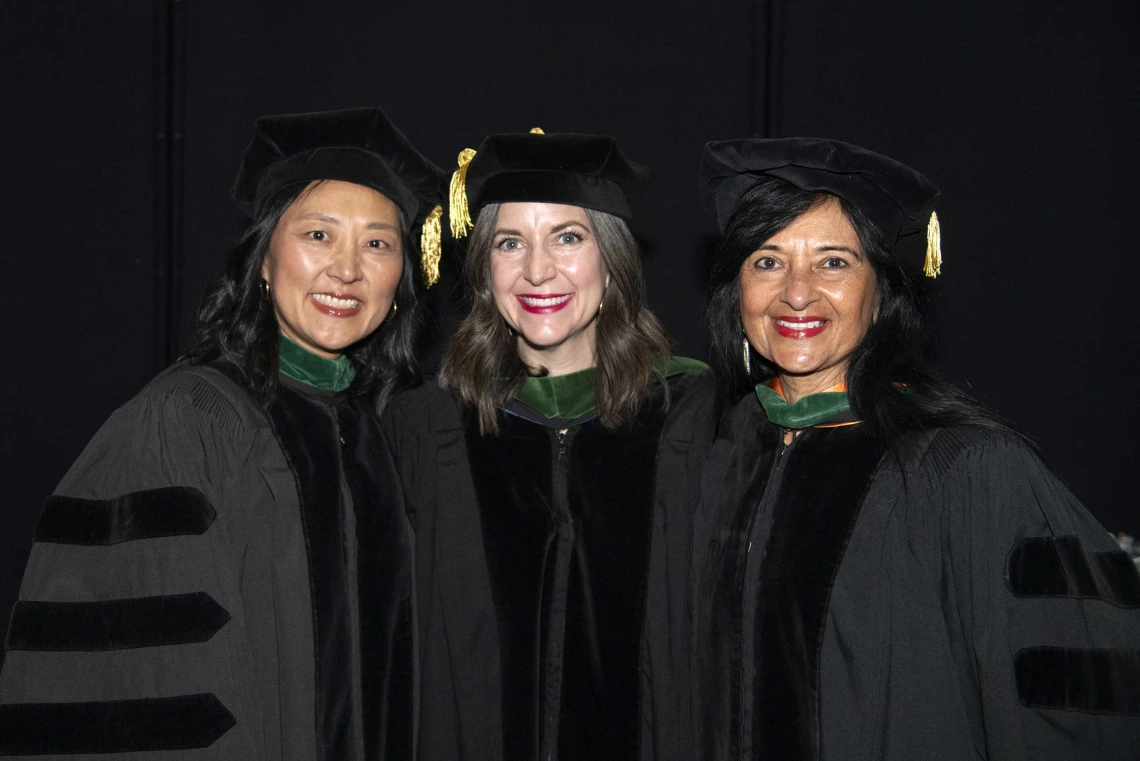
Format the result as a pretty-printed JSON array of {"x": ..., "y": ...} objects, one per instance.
[
  {"x": 510, "y": 244},
  {"x": 765, "y": 263},
  {"x": 835, "y": 263},
  {"x": 318, "y": 235},
  {"x": 569, "y": 239},
  {"x": 377, "y": 244}
]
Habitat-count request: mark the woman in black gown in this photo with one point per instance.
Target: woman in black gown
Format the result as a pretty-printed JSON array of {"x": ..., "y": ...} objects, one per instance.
[
  {"x": 552, "y": 484},
  {"x": 225, "y": 572},
  {"x": 885, "y": 570}
]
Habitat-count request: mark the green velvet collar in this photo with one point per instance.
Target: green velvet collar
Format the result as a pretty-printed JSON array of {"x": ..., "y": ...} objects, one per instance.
[
  {"x": 807, "y": 412},
  {"x": 567, "y": 396},
  {"x": 571, "y": 396},
  {"x": 302, "y": 365}
]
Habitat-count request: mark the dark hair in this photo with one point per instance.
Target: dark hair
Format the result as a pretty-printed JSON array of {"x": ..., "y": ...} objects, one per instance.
[
  {"x": 237, "y": 325},
  {"x": 483, "y": 363},
  {"x": 892, "y": 387}
]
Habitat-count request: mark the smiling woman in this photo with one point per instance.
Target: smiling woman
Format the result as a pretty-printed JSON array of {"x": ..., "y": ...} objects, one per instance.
[
  {"x": 554, "y": 480},
  {"x": 333, "y": 265},
  {"x": 549, "y": 280},
  {"x": 883, "y": 569},
  {"x": 811, "y": 280},
  {"x": 227, "y": 568}
]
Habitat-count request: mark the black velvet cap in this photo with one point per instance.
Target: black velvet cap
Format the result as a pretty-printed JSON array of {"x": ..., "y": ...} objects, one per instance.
[
  {"x": 580, "y": 170},
  {"x": 358, "y": 145},
  {"x": 896, "y": 198}
]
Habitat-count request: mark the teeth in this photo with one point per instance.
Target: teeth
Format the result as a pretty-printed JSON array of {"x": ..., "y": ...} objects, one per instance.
[
  {"x": 335, "y": 303},
  {"x": 800, "y": 325},
  {"x": 548, "y": 301}
]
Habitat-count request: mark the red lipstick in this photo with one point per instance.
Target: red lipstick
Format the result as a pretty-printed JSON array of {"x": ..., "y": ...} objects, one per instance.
[
  {"x": 543, "y": 303},
  {"x": 336, "y": 311},
  {"x": 800, "y": 327}
]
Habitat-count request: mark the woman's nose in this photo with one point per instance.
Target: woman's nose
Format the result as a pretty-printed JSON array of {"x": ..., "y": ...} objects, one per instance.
[
  {"x": 539, "y": 266},
  {"x": 345, "y": 264},
  {"x": 799, "y": 289}
]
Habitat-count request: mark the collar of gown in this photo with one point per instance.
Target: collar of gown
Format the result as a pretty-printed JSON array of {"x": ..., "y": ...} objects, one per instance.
[
  {"x": 830, "y": 406},
  {"x": 306, "y": 367},
  {"x": 571, "y": 396},
  {"x": 567, "y": 396}
]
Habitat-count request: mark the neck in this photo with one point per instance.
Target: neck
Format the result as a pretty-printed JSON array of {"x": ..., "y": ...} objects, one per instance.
[
  {"x": 570, "y": 356},
  {"x": 796, "y": 387}
]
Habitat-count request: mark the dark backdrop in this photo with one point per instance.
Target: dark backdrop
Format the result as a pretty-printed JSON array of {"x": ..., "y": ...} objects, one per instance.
[{"x": 124, "y": 121}]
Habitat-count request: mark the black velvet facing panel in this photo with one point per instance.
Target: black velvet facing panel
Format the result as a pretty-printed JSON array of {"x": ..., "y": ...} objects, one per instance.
[
  {"x": 1089, "y": 681},
  {"x": 115, "y": 624},
  {"x": 308, "y": 434},
  {"x": 384, "y": 584},
  {"x": 1061, "y": 567},
  {"x": 723, "y": 706},
  {"x": 612, "y": 484},
  {"x": 149, "y": 514},
  {"x": 184, "y": 722},
  {"x": 816, "y": 510}
]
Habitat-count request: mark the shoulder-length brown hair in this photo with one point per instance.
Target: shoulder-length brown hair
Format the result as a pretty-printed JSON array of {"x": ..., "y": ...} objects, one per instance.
[{"x": 483, "y": 363}]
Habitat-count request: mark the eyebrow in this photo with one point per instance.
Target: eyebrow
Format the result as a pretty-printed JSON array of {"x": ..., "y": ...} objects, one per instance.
[
  {"x": 847, "y": 249},
  {"x": 571, "y": 223},
  {"x": 555, "y": 229},
  {"x": 316, "y": 215},
  {"x": 320, "y": 217}
]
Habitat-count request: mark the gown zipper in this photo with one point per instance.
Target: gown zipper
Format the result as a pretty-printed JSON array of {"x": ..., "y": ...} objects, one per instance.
[{"x": 553, "y": 682}]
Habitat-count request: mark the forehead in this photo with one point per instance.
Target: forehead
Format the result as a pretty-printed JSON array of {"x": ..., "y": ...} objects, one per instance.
[
  {"x": 538, "y": 216},
  {"x": 824, "y": 224},
  {"x": 337, "y": 198}
]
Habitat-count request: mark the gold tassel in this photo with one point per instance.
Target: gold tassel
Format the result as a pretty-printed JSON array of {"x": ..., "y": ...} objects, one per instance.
[
  {"x": 537, "y": 131},
  {"x": 458, "y": 211},
  {"x": 933, "y": 265},
  {"x": 431, "y": 246}
]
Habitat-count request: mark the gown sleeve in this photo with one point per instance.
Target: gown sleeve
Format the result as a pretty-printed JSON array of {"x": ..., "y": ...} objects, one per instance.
[
  {"x": 1042, "y": 607},
  {"x": 129, "y": 632}
]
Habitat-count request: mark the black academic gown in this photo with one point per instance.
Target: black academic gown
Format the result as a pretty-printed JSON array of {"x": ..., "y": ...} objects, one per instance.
[
  {"x": 955, "y": 603},
  {"x": 552, "y": 568},
  {"x": 213, "y": 582}
]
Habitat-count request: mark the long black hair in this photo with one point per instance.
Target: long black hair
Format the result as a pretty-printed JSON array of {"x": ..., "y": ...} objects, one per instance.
[
  {"x": 891, "y": 385},
  {"x": 237, "y": 325}
]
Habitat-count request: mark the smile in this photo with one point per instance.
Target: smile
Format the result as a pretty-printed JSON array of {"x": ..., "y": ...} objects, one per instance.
[
  {"x": 336, "y": 306},
  {"x": 544, "y": 304},
  {"x": 334, "y": 302},
  {"x": 793, "y": 328}
]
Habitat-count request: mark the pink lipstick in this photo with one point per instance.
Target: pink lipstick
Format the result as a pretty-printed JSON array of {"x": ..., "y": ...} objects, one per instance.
[
  {"x": 800, "y": 327},
  {"x": 543, "y": 303}
]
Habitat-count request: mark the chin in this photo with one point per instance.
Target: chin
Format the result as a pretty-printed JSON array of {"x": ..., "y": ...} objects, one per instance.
[
  {"x": 543, "y": 343},
  {"x": 801, "y": 369}
]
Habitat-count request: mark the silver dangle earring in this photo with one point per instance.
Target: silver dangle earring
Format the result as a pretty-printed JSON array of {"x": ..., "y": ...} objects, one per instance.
[{"x": 747, "y": 358}]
